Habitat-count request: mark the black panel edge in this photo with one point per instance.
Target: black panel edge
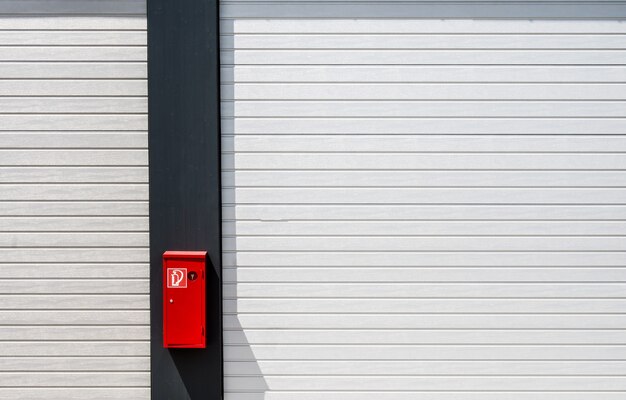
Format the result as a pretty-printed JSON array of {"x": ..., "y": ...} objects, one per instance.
[{"x": 185, "y": 187}]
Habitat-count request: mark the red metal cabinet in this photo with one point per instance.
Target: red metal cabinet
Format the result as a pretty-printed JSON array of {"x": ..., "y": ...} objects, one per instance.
[{"x": 184, "y": 300}]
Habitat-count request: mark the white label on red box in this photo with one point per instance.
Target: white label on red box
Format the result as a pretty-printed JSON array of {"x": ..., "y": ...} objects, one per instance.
[{"x": 177, "y": 278}]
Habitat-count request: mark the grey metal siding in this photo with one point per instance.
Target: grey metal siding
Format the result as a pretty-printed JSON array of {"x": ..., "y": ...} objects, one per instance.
[
  {"x": 429, "y": 206},
  {"x": 73, "y": 200}
]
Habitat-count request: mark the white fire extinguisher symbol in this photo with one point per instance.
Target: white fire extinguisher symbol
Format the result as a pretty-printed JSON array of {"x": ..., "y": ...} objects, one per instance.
[{"x": 177, "y": 277}]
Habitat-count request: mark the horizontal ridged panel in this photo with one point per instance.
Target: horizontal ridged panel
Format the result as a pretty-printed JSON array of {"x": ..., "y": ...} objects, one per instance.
[
  {"x": 430, "y": 336},
  {"x": 428, "y": 178},
  {"x": 65, "y": 7},
  {"x": 60, "y": 302},
  {"x": 73, "y": 38},
  {"x": 233, "y": 9},
  {"x": 296, "y": 353},
  {"x": 389, "y": 143},
  {"x": 74, "y": 286},
  {"x": 73, "y": 140},
  {"x": 423, "y": 26},
  {"x": 73, "y": 105},
  {"x": 74, "y": 53},
  {"x": 65, "y": 208},
  {"x": 408, "y": 228},
  {"x": 423, "y": 290},
  {"x": 433, "y": 259},
  {"x": 423, "y": 91},
  {"x": 404, "y": 42},
  {"x": 73, "y": 223},
  {"x": 81, "y": 239},
  {"x": 388, "y": 57},
  {"x": 422, "y": 274},
  {"x": 86, "y": 192},
  {"x": 66, "y": 21},
  {"x": 414, "y": 196},
  {"x": 75, "y": 255},
  {"x": 111, "y": 157},
  {"x": 415, "y": 321},
  {"x": 422, "y": 109},
  {"x": 73, "y": 70},
  {"x": 417, "y": 161},
  {"x": 394, "y": 243},
  {"x": 63, "y": 379},
  {"x": 69, "y": 87},
  {"x": 72, "y": 317},
  {"x": 424, "y": 126},
  {"x": 425, "y": 74},
  {"x": 433, "y": 395},
  {"x": 423, "y": 207},
  {"x": 71, "y": 364},
  {"x": 73, "y": 122},
  {"x": 73, "y": 270},
  {"x": 428, "y": 383},
  {"x": 70, "y": 393},
  {"x": 73, "y": 200},
  {"x": 409, "y": 368},
  {"x": 75, "y": 348},
  {"x": 275, "y": 213},
  {"x": 74, "y": 175},
  {"x": 77, "y": 333}
]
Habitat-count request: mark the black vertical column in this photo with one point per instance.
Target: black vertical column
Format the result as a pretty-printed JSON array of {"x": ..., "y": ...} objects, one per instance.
[{"x": 185, "y": 204}]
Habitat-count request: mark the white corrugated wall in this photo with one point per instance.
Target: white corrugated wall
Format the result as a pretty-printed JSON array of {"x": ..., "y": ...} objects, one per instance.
[
  {"x": 424, "y": 200},
  {"x": 74, "y": 318}
]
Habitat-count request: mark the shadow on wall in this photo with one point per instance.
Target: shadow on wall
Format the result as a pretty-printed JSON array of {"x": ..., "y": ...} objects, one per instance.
[{"x": 242, "y": 373}]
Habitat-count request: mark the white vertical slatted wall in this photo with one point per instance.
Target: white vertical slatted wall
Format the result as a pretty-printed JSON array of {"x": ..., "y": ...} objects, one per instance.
[
  {"x": 74, "y": 302},
  {"x": 424, "y": 207}
]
